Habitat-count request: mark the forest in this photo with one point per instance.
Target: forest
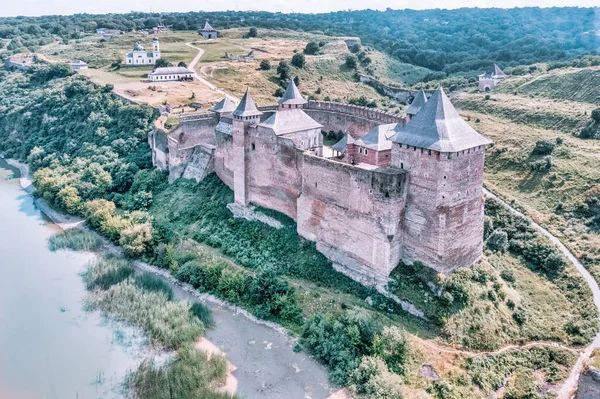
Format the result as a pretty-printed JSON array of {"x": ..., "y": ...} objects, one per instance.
[{"x": 445, "y": 41}]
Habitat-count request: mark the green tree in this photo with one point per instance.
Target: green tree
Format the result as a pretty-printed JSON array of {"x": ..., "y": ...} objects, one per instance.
[
  {"x": 265, "y": 65},
  {"x": 283, "y": 69},
  {"x": 252, "y": 32},
  {"x": 351, "y": 61},
  {"x": 312, "y": 48},
  {"x": 182, "y": 64},
  {"x": 162, "y": 63},
  {"x": 298, "y": 60}
]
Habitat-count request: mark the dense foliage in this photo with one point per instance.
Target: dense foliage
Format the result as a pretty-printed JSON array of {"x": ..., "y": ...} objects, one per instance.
[{"x": 446, "y": 41}]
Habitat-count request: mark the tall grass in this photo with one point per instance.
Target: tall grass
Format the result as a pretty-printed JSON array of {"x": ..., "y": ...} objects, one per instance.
[
  {"x": 203, "y": 313},
  {"x": 106, "y": 272},
  {"x": 75, "y": 240},
  {"x": 150, "y": 282},
  {"x": 192, "y": 375}
]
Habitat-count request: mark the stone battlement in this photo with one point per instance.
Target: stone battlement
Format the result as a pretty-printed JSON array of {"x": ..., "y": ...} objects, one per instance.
[{"x": 355, "y": 110}]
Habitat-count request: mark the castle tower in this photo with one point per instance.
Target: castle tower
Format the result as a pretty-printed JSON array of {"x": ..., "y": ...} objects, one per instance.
[
  {"x": 155, "y": 49},
  {"x": 292, "y": 98},
  {"x": 225, "y": 107},
  {"x": 245, "y": 114},
  {"x": 417, "y": 103},
  {"x": 444, "y": 157}
]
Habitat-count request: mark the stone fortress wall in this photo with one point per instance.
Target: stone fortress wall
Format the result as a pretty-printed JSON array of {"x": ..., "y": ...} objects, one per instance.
[{"x": 364, "y": 218}]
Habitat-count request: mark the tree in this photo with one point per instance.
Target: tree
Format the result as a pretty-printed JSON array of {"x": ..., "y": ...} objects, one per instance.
[
  {"x": 162, "y": 63},
  {"x": 498, "y": 241},
  {"x": 283, "y": 69},
  {"x": 355, "y": 48},
  {"x": 596, "y": 115},
  {"x": 182, "y": 64},
  {"x": 265, "y": 65},
  {"x": 312, "y": 48},
  {"x": 351, "y": 61},
  {"x": 297, "y": 81},
  {"x": 298, "y": 60},
  {"x": 252, "y": 32},
  {"x": 543, "y": 147}
]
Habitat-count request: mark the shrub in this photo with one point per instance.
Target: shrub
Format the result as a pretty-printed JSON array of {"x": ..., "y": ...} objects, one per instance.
[
  {"x": 355, "y": 48},
  {"x": 265, "y": 65},
  {"x": 252, "y": 32},
  {"x": 498, "y": 241},
  {"x": 373, "y": 379},
  {"x": 393, "y": 347},
  {"x": 543, "y": 147},
  {"x": 508, "y": 276},
  {"x": 312, "y": 48},
  {"x": 351, "y": 61},
  {"x": 339, "y": 342},
  {"x": 279, "y": 92},
  {"x": 298, "y": 60},
  {"x": 283, "y": 70},
  {"x": 136, "y": 238}
]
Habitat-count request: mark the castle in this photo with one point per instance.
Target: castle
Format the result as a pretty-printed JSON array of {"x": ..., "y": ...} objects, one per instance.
[
  {"x": 395, "y": 188},
  {"x": 139, "y": 56},
  {"x": 208, "y": 32},
  {"x": 487, "y": 81}
]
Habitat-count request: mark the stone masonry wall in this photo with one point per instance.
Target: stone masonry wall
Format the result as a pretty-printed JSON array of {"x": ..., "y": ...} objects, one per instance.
[
  {"x": 273, "y": 177},
  {"x": 353, "y": 119},
  {"x": 444, "y": 210},
  {"x": 223, "y": 166},
  {"x": 354, "y": 215}
]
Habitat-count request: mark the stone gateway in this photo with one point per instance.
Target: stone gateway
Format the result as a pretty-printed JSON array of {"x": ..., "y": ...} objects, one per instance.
[{"x": 395, "y": 189}]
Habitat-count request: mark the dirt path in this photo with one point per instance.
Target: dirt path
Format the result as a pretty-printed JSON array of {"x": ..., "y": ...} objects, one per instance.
[
  {"x": 192, "y": 67},
  {"x": 570, "y": 384}
]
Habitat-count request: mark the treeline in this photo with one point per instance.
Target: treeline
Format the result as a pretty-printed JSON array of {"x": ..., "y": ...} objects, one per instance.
[{"x": 446, "y": 41}]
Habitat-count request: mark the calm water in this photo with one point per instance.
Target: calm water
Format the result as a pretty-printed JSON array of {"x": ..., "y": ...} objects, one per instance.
[{"x": 46, "y": 352}]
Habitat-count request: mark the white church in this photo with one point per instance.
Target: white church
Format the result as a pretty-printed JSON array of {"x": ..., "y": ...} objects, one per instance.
[{"x": 139, "y": 56}]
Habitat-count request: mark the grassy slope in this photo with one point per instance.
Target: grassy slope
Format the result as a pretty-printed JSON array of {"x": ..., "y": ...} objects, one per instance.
[{"x": 515, "y": 123}]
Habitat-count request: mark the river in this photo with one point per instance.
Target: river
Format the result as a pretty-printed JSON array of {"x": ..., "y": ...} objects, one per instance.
[{"x": 50, "y": 347}]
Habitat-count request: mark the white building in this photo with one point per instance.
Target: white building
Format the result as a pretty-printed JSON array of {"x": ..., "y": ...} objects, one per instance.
[
  {"x": 208, "y": 32},
  {"x": 139, "y": 56},
  {"x": 170, "y": 74},
  {"x": 487, "y": 81},
  {"x": 78, "y": 65}
]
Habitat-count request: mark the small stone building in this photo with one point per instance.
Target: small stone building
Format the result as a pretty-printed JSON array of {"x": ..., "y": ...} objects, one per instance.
[
  {"x": 487, "y": 81},
  {"x": 208, "y": 32},
  {"x": 170, "y": 74},
  {"x": 78, "y": 65},
  {"x": 140, "y": 57}
]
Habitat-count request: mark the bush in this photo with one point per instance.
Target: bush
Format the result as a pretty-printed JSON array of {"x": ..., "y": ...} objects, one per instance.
[
  {"x": 298, "y": 60},
  {"x": 373, "y": 379},
  {"x": 283, "y": 70},
  {"x": 312, "y": 48},
  {"x": 339, "y": 343},
  {"x": 393, "y": 347},
  {"x": 265, "y": 65},
  {"x": 252, "y": 32},
  {"x": 543, "y": 147},
  {"x": 135, "y": 239},
  {"x": 351, "y": 61},
  {"x": 498, "y": 241}
]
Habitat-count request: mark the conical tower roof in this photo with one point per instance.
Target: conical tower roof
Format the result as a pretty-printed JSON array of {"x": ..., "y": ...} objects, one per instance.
[
  {"x": 417, "y": 103},
  {"x": 223, "y": 106},
  {"x": 247, "y": 107},
  {"x": 439, "y": 127},
  {"x": 292, "y": 95},
  {"x": 208, "y": 27},
  {"x": 498, "y": 71}
]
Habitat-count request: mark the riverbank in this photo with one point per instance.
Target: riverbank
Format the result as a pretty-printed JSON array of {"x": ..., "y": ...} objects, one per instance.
[{"x": 260, "y": 353}]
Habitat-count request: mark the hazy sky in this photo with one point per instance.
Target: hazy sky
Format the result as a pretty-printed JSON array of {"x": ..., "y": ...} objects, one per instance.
[{"x": 45, "y": 7}]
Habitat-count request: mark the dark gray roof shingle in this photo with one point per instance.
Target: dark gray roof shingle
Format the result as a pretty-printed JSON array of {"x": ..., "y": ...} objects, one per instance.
[
  {"x": 292, "y": 95},
  {"x": 439, "y": 127},
  {"x": 223, "y": 106},
  {"x": 417, "y": 103},
  {"x": 290, "y": 121},
  {"x": 247, "y": 107}
]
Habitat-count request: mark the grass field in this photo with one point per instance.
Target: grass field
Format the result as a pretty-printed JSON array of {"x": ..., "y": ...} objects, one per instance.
[{"x": 550, "y": 107}]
